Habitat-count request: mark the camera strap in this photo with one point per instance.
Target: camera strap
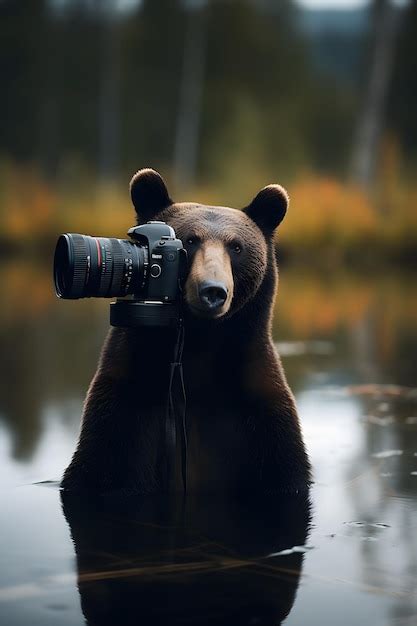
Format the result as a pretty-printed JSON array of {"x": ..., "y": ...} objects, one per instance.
[{"x": 175, "y": 419}]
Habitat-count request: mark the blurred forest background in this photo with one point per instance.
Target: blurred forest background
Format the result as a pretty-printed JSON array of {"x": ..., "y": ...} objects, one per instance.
[{"x": 223, "y": 97}]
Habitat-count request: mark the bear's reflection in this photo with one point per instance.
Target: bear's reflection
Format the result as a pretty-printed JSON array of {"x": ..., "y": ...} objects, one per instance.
[{"x": 143, "y": 561}]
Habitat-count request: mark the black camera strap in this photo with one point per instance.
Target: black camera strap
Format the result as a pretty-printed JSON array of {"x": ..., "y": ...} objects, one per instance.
[{"x": 175, "y": 419}]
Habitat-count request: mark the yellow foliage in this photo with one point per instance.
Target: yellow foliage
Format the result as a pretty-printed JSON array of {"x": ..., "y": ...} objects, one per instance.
[
  {"x": 27, "y": 204},
  {"x": 322, "y": 209},
  {"x": 327, "y": 219}
]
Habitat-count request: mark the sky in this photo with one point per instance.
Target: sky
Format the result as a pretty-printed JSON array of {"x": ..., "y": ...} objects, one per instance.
[
  {"x": 339, "y": 4},
  {"x": 311, "y": 4},
  {"x": 333, "y": 4}
]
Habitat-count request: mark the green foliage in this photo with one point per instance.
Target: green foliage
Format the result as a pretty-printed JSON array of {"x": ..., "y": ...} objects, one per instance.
[
  {"x": 91, "y": 94},
  {"x": 101, "y": 90}
]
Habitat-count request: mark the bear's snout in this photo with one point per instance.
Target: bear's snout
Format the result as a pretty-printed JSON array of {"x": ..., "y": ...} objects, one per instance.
[
  {"x": 209, "y": 286},
  {"x": 212, "y": 295}
]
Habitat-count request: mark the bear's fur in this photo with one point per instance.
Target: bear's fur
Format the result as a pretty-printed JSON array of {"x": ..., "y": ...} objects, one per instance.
[{"x": 244, "y": 433}]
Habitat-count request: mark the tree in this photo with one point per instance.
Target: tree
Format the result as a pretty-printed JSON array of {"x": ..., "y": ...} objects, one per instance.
[
  {"x": 402, "y": 105},
  {"x": 385, "y": 22}
]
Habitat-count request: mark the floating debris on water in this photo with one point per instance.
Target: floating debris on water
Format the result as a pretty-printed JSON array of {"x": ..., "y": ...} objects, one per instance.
[
  {"x": 376, "y": 391},
  {"x": 297, "y": 348},
  {"x": 381, "y": 390},
  {"x": 368, "y": 524},
  {"x": 413, "y": 473},
  {"x": 379, "y": 525},
  {"x": 379, "y": 421},
  {"x": 386, "y": 474},
  {"x": 293, "y": 550},
  {"x": 55, "y": 484},
  {"x": 385, "y": 454},
  {"x": 411, "y": 420}
]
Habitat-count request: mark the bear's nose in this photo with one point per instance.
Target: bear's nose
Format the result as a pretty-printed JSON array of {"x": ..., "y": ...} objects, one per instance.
[{"x": 212, "y": 295}]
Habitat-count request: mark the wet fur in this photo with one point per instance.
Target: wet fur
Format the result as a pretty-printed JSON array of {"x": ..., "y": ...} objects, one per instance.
[{"x": 244, "y": 432}]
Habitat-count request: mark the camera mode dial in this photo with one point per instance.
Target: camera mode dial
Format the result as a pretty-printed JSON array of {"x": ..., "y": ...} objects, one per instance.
[{"x": 156, "y": 270}]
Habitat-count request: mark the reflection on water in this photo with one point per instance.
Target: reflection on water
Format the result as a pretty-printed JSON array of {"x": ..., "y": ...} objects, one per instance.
[
  {"x": 218, "y": 562},
  {"x": 348, "y": 345}
]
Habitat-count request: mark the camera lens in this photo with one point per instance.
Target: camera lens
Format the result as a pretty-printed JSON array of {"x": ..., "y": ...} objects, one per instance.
[{"x": 98, "y": 267}]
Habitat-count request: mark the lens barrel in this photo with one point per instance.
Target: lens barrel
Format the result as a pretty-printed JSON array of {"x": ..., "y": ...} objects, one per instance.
[{"x": 86, "y": 267}]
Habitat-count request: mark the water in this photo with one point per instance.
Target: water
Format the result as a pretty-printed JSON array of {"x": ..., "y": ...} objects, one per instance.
[{"x": 347, "y": 556}]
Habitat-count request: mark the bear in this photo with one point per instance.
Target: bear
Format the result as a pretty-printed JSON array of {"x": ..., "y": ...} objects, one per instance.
[{"x": 244, "y": 434}]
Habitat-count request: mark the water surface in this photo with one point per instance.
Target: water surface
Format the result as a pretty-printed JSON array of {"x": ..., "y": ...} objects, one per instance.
[{"x": 347, "y": 555}]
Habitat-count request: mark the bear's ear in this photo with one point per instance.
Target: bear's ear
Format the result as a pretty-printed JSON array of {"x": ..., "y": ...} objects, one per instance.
[
  {"x": 268, "y": 208},
  {"x": 149, "y": 194}
]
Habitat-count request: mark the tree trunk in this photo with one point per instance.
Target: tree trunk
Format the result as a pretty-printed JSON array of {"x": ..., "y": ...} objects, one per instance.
[
  {"x": 371, "y": 121},
  {"x": 109, "y": 96},
  {"x": 189, "y": 114}
]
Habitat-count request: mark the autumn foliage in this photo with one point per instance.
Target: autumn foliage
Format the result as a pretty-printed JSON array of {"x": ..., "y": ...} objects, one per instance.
[{"x": 328, "y": 220}]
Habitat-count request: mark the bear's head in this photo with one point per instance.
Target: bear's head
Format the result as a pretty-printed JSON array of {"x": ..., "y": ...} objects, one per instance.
[{"x": 229, "y": 250}]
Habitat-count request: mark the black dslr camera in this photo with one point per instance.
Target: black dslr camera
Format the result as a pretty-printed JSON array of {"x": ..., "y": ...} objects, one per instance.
[{"x": 149, "y": 268}]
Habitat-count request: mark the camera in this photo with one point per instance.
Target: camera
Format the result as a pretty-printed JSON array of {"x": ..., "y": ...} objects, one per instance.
[{"x": 148, "y": 269}]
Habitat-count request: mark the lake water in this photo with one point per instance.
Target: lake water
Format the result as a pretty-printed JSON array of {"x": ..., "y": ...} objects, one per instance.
[{"x": 348, "y": 555}]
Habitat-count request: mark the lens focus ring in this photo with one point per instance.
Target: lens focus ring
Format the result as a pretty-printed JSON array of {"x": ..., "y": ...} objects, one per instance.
[
  {"x": 118, "y": 267},
  {"x": 106, "y": 266},
  {"x": 81, "y": 258}
]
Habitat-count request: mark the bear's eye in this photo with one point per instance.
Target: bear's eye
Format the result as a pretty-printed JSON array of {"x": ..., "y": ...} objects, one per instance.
[
  {"x": 191, "y": 241},
  {"x": 236, "y": 247}
]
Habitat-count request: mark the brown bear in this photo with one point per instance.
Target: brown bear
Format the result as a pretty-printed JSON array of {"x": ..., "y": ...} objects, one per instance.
[{"x": 243, "y": 429}]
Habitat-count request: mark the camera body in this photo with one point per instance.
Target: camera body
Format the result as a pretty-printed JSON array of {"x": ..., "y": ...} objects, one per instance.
[
  {"x": 157, "y": 302},
  {"x": 149, "y": 269},
  {"x": 162, "y": 270}
]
